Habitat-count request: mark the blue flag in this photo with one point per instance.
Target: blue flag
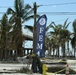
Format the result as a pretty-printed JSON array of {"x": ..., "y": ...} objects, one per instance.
[{"x": 40, "y": 40}]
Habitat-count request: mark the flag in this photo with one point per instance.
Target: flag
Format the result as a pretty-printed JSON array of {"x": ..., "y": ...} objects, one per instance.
[{"x": 40, "y": 40}]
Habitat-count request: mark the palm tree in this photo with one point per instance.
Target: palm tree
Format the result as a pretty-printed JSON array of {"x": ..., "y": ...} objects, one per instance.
[
  {"x": 53, "y": 36},
  {"x": 20, "y": 14},
  {"x": 0, "y": 34},
  {"x": 0, "y": 39},
  {"x": 65, "y": 36},
  {"x": 3, "y": 36},
  {"x": 60, "y": 35},
  {"x": 73, "y": 40}
]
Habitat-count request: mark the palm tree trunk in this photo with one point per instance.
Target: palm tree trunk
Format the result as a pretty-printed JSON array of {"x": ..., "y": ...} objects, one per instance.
[
  {"x": 53, "y": 51},
  {"x": 58, "y": 51},
  {"x": 68, "y": 45},
  {"x": 19, "y": 38},
  {"x": 74, "y": 51},
  {"x": 63, "y": 49}
]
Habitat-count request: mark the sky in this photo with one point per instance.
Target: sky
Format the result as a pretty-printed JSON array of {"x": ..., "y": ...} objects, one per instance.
[{"x": 47, "y": 7}]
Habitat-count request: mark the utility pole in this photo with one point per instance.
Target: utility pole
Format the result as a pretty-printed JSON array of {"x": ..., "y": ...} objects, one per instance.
[
  {"x": 34, "y": 30},
  {"x": 34, "y": 63}
]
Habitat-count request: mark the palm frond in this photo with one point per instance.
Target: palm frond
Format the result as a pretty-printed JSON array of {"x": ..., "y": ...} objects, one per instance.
[
  {"x": 10, "y": 11},
  {"x": 12, "y": 19},
  {"x": 49, "y": 26},
  {"x": 74, "y": 25},
  {"x": 30, "y": 17},
  {"x": 29, "y": 27},
  {"x": 16, "y": 6},
  {"x": 65, "y": 24},
  {"x": 4, "y": 19},
  {"x": 73, "y": 42},
  {"x": 26, "y": 13},
  {"x": 29, "y": 11},
  {"x": 27, "y": 7}
]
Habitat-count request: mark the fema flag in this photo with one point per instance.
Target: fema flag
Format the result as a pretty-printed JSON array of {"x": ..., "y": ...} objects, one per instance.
[{"x": 40, "y": 40}]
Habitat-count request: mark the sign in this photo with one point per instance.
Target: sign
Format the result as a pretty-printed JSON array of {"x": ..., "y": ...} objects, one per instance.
[{"x": 41, "y": 26}]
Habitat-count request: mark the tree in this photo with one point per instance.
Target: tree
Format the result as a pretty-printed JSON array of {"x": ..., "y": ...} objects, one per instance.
[
  {"x": 20, "y": 14},
  {"x": 59, "y": 35},
  {"x": 54, "y": 37},
  {"x": 73, "y": 38},
  {"x": 3, "y": 37},
  {"x": 64, "y": 36}
]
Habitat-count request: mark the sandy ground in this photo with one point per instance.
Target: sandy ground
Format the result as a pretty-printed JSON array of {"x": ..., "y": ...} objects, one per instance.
[
  {"x": 7, "y": 67},
  {"x": 32, "y": 74}
]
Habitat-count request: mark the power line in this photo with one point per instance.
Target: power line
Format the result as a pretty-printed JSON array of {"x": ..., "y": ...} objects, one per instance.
[
  {"x": 64, "y": 19},
  {"x": 60, "y": 4},
  {"x": 68, "y": 3},
  {"x": 58, "y": 13},
  {"x": 53, "y": 13},
  {"x": 2, "y": 12},
  {"x": 6, "y": 6}
]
